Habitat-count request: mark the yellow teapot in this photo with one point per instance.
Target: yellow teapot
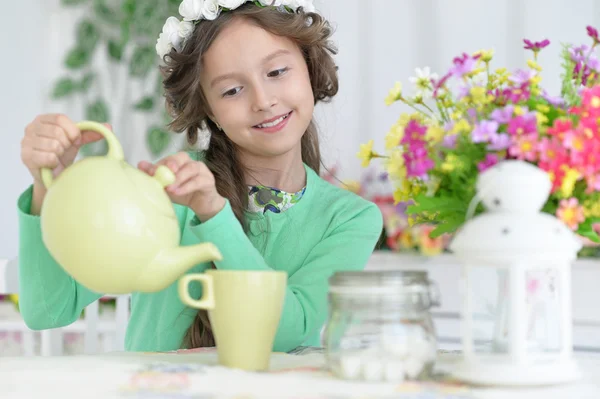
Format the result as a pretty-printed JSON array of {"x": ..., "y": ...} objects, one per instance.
[{"x": 112, "y": 227}]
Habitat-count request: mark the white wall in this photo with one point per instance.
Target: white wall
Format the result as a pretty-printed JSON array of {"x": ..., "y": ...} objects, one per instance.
[
  {"x": 22, "y": 73},
  {"x": 379, "y": 41}
]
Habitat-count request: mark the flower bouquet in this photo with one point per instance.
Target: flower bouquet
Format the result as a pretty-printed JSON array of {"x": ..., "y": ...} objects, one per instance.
[{"x": 475, "y": 116}]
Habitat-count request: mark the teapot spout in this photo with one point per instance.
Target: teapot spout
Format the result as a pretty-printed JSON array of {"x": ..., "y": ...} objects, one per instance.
[{"x": 170, "y": 264}]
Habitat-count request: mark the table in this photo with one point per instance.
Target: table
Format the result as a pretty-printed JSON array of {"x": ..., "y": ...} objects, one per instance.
[{"x": 196, "y": 374}]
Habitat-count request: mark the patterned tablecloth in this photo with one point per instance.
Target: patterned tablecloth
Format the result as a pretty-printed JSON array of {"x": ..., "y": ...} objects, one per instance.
[{"x": 196, "y": 374}]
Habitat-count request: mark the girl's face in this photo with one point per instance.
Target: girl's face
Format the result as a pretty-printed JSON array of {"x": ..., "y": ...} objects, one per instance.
[{"x": 258, "y": 89}]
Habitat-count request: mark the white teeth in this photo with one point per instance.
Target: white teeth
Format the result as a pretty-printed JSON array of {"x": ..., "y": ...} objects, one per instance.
[{"x": 274, "y": 123}]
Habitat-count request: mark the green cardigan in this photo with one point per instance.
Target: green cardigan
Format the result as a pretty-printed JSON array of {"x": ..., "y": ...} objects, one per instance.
[{"x": 329, "y": 229}]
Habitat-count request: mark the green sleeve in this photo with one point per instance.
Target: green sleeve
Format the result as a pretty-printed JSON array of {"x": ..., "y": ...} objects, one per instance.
[
  {"x": 347, "y": 247},
  {"x": 48, "y": 296}
]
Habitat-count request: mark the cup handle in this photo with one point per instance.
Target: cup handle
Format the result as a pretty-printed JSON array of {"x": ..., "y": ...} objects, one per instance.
[
  {"x": 115, "y": 151},
  {"x": 208, "y": 297}
]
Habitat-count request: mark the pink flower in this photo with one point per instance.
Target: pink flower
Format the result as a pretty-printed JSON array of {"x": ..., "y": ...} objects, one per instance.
[
  {"x": 535, "y": 46},
  {"x": 524, "y": 147},
  {"x": 550, "y": 148},
  {"x": 489, "y": 161},
  {"x": 570, "y": 212},
  {"x": 591, "y": 100},
  {"x": 560, "y": 127},
  {"x": 463, "y": 65},
  {"x": 414, "y": 135},
  {"x": 522, "y": 125}
]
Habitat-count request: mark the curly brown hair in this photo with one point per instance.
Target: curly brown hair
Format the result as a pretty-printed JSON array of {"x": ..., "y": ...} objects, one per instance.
[{"x": 187, "y": 105}]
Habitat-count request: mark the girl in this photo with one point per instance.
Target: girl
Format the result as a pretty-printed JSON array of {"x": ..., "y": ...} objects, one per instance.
[{"x": 252, "y": 74}]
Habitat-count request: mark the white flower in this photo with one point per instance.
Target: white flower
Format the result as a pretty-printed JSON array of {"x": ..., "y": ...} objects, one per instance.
[
  {"x": 275, "y": 3},
  {"x": 211, "y": 9},
  {"x": 307, "y": 5},
  {"x": 163, "y": 45},
  {"x": 186, "y": 29},
  {"x": 423, "y": 79},
  {"x": 169, "y": 37},
  {"x": 231, "y": 4},
  {"x": 191, "y": 10},
  {"x": 171, "y": 30}
]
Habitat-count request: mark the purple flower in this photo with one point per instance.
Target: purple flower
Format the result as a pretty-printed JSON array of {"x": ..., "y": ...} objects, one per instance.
[
  {"x": 518, "y": 94},
  {"x": 463, "y": 65},
  {"x": 483, "y": 131},
  {"x": 593, "y": 33},
  {"x": 489, "y": 161},
  {"x": 503, "y": 115},
  {"x": 499, "y": 141},
  {"x": 554, "y": 100},
  {"x": 449, "y": 141},
  {"x": 522, "y": 76},
  {"x": 579, "y": 54},
  {"x": 535, "y": 46}
]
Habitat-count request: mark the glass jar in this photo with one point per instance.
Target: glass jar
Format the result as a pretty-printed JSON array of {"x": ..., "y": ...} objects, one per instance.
[{"x": 380, "y": 327}]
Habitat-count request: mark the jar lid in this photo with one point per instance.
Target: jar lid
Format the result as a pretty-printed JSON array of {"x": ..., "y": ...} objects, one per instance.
[{"x": 380, "y": 282}]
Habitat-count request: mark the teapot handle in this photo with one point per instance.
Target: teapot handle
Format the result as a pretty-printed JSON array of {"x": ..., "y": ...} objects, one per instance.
[{"x": 115, "y": 151}]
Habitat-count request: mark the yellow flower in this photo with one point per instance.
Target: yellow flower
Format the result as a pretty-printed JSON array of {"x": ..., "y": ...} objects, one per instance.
[
  {"x": 451, "y": 163},
  {"x": 462, "y": 126},
  {"x": 541, "y": 118},
  {"x": 434, "y": 134},
  {"x": 485, "y": 55},
  {"x": 395, "y": 94},
  {"x": 456, "y": 115},
  {"x": 402, "y": 193},
  {"x": 543, "y": 108},
  {"x": 406, "y": 239},
  {"x": 568, "y": 183},
  {"x": 366, "y": 153},
  {"x": 478, "y": 94},
  {"x": 395, "y": 165},
  {"x": 534, "y": 65},
  {"x": 591, "y": 208},
  {"x": 519, "y": 110},
  {"x": 353, "y": 186},
  {"x": 394, "y": 136},
  {"x": 536, "y": 80}
]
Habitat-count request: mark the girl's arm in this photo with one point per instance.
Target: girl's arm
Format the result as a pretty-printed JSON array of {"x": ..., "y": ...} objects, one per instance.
[
  {"x": 48, "y": 296},
  {"x": 347, "y": 247}
]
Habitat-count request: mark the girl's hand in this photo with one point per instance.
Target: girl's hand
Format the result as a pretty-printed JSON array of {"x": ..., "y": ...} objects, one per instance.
[
  {"x": 194, "y": 184},
  {"x": 51, "y": 141}
]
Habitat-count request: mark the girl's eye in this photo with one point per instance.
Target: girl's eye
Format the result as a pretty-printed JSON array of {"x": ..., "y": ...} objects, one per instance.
[
  {"x": 277, "y": 72},
  {"x": 232, "y": 92}
]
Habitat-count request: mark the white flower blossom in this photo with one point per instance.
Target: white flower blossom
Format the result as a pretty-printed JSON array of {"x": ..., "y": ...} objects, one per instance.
[
  {"x": 186, "y": 29},
  {"x": 191, "y": 10},
  {"x": 231, "y": 4},
  {"x": 211, "y": 9},
  {"x": 163, "y": 45},
  {"x": 307, "y": 5}
]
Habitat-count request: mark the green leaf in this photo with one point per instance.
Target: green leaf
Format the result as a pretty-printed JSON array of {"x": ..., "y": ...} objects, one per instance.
[
  {"x": 147, "y": 21},
  {"x": 145, "y": 104},
  {"x": 105, "y": 13},
  {"x": 63, "y": 88},
  {"x": 97, "y": 111},
  {"x": 77, "y": 58},
  {"x": 96, "y": 148},
  {"x": 158, "y": 140},
  {"x": 586, "y": 229},
  {"x": 128, "y": 8},
  {"x": 142, "y": 61},
  {"x": 86, "y": 81},
  {"x": 72, "y": 2},
  {"x": 87, "y": 35},
  {"x": 115, "y": 50}
]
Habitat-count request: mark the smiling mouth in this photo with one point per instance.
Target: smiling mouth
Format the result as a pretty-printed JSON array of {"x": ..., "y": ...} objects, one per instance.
[{"x": 274, "y": 123}]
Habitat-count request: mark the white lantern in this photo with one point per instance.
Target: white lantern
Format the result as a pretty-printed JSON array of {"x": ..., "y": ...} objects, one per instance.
[{"x": 522, "y": 333}]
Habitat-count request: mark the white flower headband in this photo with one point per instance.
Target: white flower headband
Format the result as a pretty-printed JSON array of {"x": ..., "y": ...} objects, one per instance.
[{"x": 176, "y": 32}]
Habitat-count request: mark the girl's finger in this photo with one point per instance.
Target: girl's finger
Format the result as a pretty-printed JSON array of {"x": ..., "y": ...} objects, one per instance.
[
  {"x": 45, "y": 144},
  {"x": 191, "y": 185},
  {"x": 185, "y": 173}
]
